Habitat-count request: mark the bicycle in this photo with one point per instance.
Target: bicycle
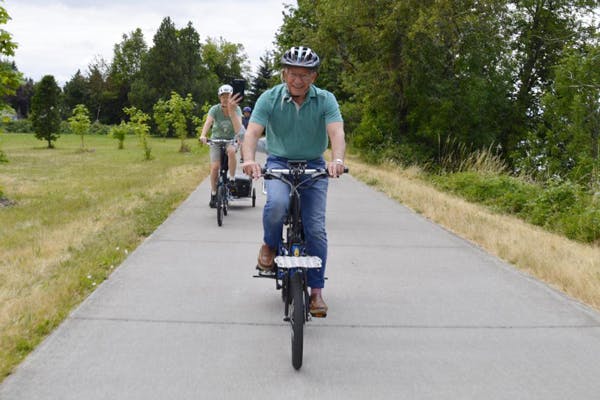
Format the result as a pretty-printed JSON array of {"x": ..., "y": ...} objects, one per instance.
[
  {"x": 226, "y": 188},
  {"x": 292, "y": 263}
]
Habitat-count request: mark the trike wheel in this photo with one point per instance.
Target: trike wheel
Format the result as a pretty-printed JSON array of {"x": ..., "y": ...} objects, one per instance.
[{"x": 297, "y": 315}]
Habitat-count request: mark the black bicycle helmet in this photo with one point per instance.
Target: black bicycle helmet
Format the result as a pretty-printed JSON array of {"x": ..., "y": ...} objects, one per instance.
[{"x": 300, "y": 57}]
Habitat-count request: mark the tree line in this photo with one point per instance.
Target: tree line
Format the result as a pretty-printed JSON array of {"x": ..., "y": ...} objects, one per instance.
[
  {"x": 140, "y": 75},
  {"x": 418, "y": 79}
]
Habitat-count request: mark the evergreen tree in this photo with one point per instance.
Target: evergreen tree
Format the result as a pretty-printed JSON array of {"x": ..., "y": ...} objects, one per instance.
[
  {"x": 125, "y": 69},
  {"x": 263, "y": 79},
  {"x": 162, "y": 70},
  {"x": 45, "y": 110},
  {"x": 76, "y": 91},
  {"x": 21, "y": 100}
]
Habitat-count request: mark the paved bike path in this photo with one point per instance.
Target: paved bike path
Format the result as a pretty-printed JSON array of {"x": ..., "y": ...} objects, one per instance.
[{"x": 415, "y": 313}]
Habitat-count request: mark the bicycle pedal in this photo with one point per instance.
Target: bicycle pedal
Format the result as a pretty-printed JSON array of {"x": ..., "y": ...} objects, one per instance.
[{"x": 267, "y": 274}]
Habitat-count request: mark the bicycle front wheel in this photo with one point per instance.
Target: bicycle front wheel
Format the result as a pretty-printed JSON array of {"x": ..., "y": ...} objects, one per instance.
[
  {"x": 220, "y": 204},
  {"x": 297, "y": 314}
]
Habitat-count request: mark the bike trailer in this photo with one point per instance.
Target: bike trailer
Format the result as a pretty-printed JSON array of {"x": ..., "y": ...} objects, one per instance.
[{"x": 242, "y": 186}]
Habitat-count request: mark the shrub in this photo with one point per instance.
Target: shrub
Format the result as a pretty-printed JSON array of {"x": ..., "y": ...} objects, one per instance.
[
  {"x": 17, "y": 126},
  {"x": 500, "y": 192},
  {"x": 99, "y": 128}
]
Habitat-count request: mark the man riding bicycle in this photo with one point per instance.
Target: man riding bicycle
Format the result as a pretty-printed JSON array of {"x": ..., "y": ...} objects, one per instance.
[
  {"x": 225, "y": 119},
  {"x": 299, "y": 119}
]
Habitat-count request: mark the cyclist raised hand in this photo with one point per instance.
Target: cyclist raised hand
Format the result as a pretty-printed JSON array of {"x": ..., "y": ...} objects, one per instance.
[
  {"x": 300, "y": 119},
  {"x": 225, "y": 119}
]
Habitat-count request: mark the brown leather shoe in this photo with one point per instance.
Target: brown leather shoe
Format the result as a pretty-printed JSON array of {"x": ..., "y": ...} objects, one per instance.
[
  {"x": 318, "y": 308},
  {"x": 266, "y": 255}
]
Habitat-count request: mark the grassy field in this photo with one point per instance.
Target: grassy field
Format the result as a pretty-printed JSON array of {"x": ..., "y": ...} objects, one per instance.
[
  {"x": 567, "y": 265},
  {"x": 75, "y": 216}
]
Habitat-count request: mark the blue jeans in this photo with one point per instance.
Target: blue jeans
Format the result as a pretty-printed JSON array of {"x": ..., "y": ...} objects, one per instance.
[{"x": 313, "y": 200}]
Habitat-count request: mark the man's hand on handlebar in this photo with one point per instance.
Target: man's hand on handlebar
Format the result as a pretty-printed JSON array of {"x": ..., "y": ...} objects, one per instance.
[
  {"x": 335, "y": 168},
  {"x": 203, "y": 139},
  {"x": 252, "y": 168}
]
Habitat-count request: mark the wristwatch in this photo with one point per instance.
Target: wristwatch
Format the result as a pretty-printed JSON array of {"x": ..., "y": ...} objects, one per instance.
[{"x": 339, "y": 161}]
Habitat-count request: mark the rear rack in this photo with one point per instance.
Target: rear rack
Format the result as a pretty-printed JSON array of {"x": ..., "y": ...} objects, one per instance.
[{"x": 298, "y": 262}]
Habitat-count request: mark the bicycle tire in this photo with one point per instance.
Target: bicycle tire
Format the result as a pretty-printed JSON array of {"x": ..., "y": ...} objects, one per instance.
[
  {"x": 225, "y": 199},
  {"x": 220, "y": 205},
  {"x": 285, "y": 286},
  {"x": 253, "y": 197},
  {"x": 297, "y": 315}
]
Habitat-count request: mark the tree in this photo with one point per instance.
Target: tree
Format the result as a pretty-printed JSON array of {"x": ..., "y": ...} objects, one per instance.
[
  {"x": 180, "y": 116},
  {"x": 76, "y": 91},
  {"x": 139, "y": 125},
  {"x": 193, "y": 67},
  {"x": 161, "y": 119},
  {"x": 45, "y": 110},
  {"x": 125, "y": 68},
  {"x": 80, "y": 122},
  {"x": 161, "y": 69},
  {"x": 263, "y": 79},
  {"x": 224, "y": 59},
  {"x": 10, "y": 77},
  {"x": 571, "y": 127},
  {"x": 542, "y": 30},
  {"x": 177, "y": 112},
  {"x": 98, "y": 86},
  {"x": 21, "y": 100},
  {"x": 119, "y": 132}
]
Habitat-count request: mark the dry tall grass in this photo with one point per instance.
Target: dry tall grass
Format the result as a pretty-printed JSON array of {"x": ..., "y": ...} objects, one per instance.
[
  {"x": 75, "y": 216},
  {"x": 566, "y": 265}
]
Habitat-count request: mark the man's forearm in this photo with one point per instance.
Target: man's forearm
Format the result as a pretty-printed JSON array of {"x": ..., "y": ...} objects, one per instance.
[{"x": 249, "y": 146}]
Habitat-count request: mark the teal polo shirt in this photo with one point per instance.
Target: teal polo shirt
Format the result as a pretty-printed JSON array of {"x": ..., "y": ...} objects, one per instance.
[
  {"x": 222, "y": 127},
  {"x": 296, "y": 133}
]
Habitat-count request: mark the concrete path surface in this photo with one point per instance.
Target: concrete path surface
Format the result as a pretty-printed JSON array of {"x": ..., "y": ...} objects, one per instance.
[{"x": 414, "y": 313}]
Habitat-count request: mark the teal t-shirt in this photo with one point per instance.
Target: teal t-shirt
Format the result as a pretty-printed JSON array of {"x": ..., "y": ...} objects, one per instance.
[
  {"x": 222, "y": 128},
  {"x": 292, "y": 132}
]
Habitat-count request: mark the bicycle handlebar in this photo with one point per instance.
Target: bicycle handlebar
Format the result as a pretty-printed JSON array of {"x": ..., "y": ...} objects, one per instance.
[
  {"x": 287, "y": 171},
  {"x": 219, "y": 141}
]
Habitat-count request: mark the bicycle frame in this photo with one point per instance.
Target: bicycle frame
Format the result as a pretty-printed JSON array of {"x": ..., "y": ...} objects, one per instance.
[
  {"x": 223, "y": 178},
  {"x": 292, "y": 263},
  {"x": 291, "y": 256}
]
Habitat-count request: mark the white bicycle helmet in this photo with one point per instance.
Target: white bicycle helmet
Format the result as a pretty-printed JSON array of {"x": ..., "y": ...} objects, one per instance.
[
  {"x": 300, "y": 57},
  {"x": 225, "y": 89}
]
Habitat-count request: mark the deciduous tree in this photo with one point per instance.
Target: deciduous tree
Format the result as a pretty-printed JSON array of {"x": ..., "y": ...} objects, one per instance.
[{"x": 79, "y": 122}]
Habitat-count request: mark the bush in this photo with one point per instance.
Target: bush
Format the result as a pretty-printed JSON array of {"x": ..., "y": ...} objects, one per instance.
[
  {"x": 500, "y": 192},
  {"x": 99, "y": 128},
  {"x": 17, "y": 126},
  {"x": 563, "y": 207}
]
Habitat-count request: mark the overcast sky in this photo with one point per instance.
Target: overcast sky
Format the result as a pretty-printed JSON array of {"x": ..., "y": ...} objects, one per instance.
[{"x": 57, "y": 37}]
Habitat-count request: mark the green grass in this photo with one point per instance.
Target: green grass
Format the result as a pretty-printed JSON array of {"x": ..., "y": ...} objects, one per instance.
[{"x": 74, "y": 217}]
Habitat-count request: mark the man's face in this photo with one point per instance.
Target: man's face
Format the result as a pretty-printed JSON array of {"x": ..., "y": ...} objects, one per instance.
[{"x": 298, "y": 80}]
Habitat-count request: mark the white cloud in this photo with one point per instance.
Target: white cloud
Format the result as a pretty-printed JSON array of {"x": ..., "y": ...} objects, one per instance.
[{"x": 60, "y": 37}]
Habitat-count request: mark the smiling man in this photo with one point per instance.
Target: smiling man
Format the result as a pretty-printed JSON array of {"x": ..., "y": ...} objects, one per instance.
[{"x": 299, "y": 119}]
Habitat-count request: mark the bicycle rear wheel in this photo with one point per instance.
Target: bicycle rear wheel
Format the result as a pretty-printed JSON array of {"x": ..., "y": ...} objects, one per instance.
[
  {"x": 297, "y": 314},
  {"x": 220, "y": 204}
]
